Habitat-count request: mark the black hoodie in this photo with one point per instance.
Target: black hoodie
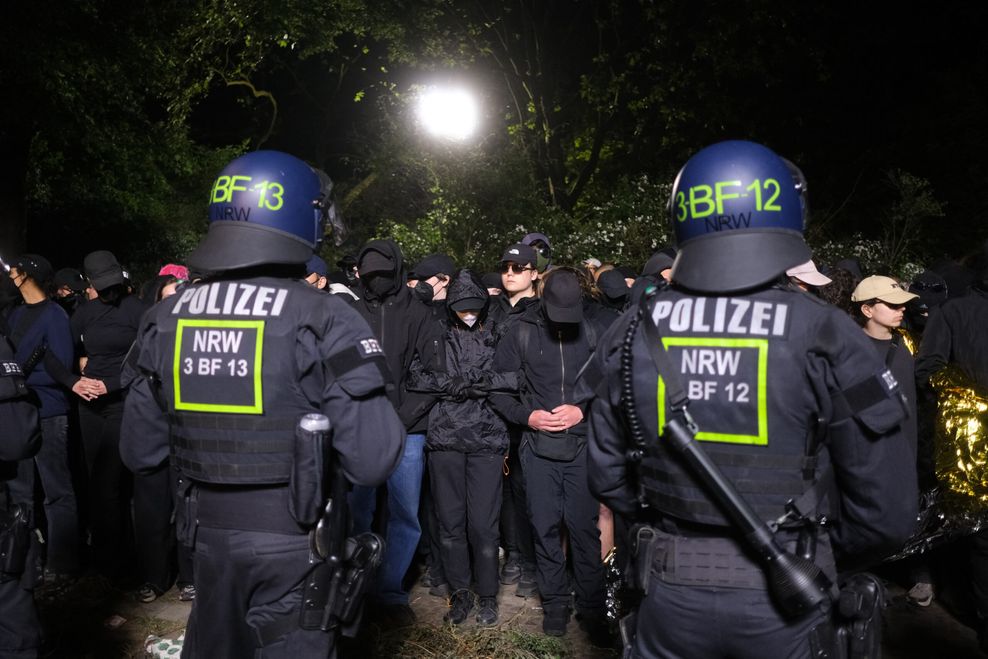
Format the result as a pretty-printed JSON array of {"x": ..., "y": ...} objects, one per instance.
[{"x": 405, "y": 328}]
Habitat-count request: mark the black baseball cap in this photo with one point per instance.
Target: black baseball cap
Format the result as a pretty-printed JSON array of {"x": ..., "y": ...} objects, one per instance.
[
  {"x": 103, "y": 269},
  {"x": 563, "y": 297},
  {"x": 71, "y": 278},
  {"x": 521, "y": 254},
  {"x": 374, "y": 261},
  {"x": 34, "y": 266},
  {"x": 432, "y": 265}
]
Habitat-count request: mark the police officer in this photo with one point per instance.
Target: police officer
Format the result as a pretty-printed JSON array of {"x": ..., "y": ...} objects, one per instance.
[
  {"x": 789, "y": 400},
  {"x": 224, "y": 372},
  {"x": 20, "y": 438}
]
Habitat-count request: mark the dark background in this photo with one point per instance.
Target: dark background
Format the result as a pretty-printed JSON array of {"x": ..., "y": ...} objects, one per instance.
[{"x": 116, "y": 117}]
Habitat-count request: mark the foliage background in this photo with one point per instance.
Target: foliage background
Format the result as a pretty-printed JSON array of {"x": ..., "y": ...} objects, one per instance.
[{"x": 118, "y": 116}]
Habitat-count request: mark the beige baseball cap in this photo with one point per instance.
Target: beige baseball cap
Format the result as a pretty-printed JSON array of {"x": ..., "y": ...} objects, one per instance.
[
  {"x": 808, "y": 274},
  {"x": 881, "y": 288}
]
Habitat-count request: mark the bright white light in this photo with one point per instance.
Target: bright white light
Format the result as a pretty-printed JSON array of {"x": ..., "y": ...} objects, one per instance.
[{"x": 450, "y": 113}]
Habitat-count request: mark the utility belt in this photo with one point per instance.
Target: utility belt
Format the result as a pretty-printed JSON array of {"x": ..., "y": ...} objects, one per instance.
[
  {"x": 695, "y": 556},
  {"x": 852, "y": 631}
]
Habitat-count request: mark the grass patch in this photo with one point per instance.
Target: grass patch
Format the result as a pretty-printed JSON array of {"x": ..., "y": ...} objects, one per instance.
[{"x": 443, "y": 641}]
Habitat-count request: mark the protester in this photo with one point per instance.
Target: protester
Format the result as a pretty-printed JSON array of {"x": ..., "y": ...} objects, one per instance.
[
  {"x": 466, "y": 446},
  {"x": 39, "y": 329},
  {"x": 547, "y": 349},
  {"x": 405, "y": 329},
  {"x": 105, "y": 329}
]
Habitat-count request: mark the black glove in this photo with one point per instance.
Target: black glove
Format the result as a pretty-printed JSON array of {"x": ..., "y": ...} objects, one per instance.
[{"x": 457, "y": 389}]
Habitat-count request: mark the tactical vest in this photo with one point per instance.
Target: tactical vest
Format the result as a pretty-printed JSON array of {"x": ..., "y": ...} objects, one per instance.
[
  {"x": 742, "y": 362},
  {"x": 230, "y": 380}
]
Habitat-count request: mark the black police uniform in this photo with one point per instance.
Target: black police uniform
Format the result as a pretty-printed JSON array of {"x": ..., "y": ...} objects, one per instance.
[
  {"x": 20, "y": 439},
  {"x": 760, "y": 368},
  {"x": 226, "y": 370}
]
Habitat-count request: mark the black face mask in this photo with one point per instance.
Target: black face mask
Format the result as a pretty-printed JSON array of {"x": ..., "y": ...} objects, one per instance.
[
  {"x": 379, "y": 285},
  {"x": 424, "y": 291}
]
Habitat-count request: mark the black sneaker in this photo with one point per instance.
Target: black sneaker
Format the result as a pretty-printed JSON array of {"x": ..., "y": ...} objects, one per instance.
[
  {"x": 460, "y": 606},
  {"x": 439, "y": 590},
  {"x": 526, "y": 585},
  {"x": 487, "y": 611},
  {"x": 598, "y": 630},
  {"x": 554, "y": 622},
  {"x": 511, "y": 571}
]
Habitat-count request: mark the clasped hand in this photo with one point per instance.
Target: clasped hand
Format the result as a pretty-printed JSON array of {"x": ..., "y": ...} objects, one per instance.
[
  {"x": 89, "y": 388},
  {"x": 560, "y": 418}
]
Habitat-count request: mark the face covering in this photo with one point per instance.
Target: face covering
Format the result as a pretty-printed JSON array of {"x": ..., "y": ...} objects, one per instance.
[
  {"x": 379, "y": 285},
  {"x": 469, "y": 318},
  {"x": 424, "y": 290}
]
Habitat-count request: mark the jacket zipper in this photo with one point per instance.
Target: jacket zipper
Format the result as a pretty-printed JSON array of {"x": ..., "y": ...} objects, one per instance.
[{"x": 562, "y": 360}]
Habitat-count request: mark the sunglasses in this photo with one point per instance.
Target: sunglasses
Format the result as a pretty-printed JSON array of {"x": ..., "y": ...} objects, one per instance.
[
  {"x": 923, "y": 286},
  {"x": 515, "y": 268}
]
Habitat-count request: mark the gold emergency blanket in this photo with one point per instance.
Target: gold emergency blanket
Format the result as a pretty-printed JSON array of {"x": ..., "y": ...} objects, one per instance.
[
  {"x": 959, "y": 504},
  {"x": 961, "y": 445}
]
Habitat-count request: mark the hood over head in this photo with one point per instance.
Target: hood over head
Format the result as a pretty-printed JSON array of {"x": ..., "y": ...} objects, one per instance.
[
  {"x": 381, "y": 260},
  {"x": 467, "y": 291}
]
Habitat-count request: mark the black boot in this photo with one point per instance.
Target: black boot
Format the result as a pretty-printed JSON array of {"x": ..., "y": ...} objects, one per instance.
[
  {"x": 460, "y": 606},
  {"x": 487, "y": 611}
]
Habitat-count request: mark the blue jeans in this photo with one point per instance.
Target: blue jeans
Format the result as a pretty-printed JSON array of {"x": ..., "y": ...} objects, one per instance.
[{"x": 402, "y": 526}]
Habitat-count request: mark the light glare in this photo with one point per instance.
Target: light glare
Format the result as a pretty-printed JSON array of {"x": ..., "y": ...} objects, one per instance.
[{"x": 450, "y": 113}]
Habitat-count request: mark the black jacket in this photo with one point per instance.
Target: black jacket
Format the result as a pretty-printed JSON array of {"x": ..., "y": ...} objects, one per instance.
[
  {"x": 504, "y": 316},
  {"x": 955, "y": 334},
  {"x": 547, "y": 358},
  {"x": 405, "y": 327},
  {"x": 457, "y": 423}
]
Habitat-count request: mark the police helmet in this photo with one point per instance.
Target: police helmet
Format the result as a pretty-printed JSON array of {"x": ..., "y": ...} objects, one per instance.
[
  {"x": 264, "y": 207},
  {"x": 738, "y": 211}
]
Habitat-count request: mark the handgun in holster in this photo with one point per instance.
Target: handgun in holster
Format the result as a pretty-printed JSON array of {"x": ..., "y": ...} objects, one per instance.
[
  {"x": 859, "y": 620},
  {"x": 343, "y": 566},
  {"x": 15, "y": 542}
]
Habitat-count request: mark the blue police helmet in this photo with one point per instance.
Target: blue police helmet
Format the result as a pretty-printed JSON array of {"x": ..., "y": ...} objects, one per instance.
[
  {"x": 264, "y": 207},
  {"x": 738, "y": 211}
]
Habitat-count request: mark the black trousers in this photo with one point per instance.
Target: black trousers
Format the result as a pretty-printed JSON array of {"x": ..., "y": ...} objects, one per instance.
[
  {"x": 516, "y": 528},
  {"x": 558, "y": 494},
  {"x": 466, "y": 488},
  {"x": 109, "y": 483},
  {"x": 243, "y": 580},
  {"x": 683, "y": 622},
  {"x": 154, "y": 533}
]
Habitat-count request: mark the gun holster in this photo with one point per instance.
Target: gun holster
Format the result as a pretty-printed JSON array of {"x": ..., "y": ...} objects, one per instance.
[
  {"x": 859, "y": 611},
  {"x": 334, "y": 592},
  {"x": 855, "y": 629},
  {"x": 15, "y": 542},
  {"x": 642, "y": 540}
]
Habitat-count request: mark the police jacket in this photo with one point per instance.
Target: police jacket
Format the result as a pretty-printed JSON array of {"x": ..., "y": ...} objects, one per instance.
[
  {"x": 224, "y": 370},
  {"x": 467, "y": 425},
  {"x": 20, "y": 434},
  {"x": 547, "y": 358},
  {"x": 760, "y": 370},
  {"x": 405, "y": 327},
  {"x": 955, "y": 334}
]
